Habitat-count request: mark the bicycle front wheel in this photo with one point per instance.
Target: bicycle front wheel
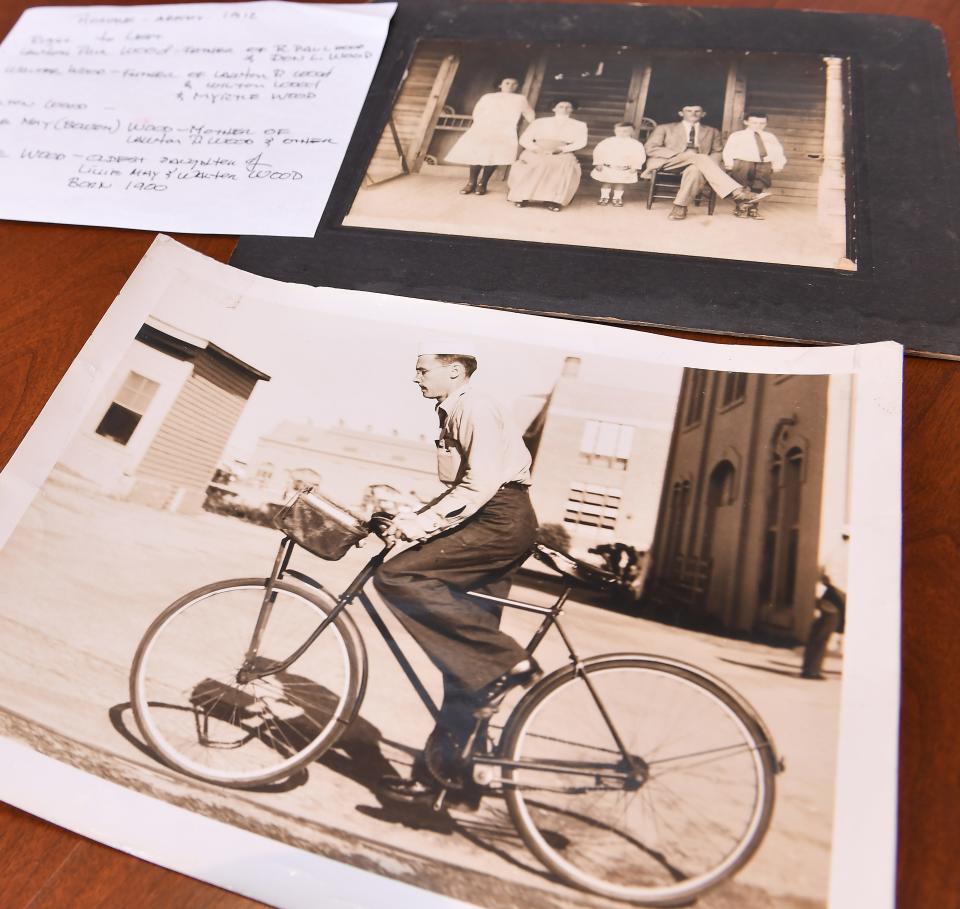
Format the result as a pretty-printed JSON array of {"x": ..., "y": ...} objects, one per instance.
[
  {"x": 678, "y": 808},
  {"x": 201, "y": 721}
]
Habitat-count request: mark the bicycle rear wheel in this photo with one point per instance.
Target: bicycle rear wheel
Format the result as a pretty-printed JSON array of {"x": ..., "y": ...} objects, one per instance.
[
  {"x": 201, "y": 721},
  {"x": 687, "y": 807}
]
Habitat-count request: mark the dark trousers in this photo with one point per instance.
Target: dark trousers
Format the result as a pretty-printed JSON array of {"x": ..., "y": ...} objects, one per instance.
[
  {"x": 425, "y": 588},
  {"x": 757, "y": 175},
  {"x": 816, "y": 649}
]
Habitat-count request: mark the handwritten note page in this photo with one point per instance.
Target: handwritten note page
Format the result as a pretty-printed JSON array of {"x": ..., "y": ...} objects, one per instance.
[{"x": 228, "y": 118}]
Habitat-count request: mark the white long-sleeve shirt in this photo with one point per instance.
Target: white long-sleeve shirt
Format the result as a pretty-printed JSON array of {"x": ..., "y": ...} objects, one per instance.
[{"x": 742, "y": 146}]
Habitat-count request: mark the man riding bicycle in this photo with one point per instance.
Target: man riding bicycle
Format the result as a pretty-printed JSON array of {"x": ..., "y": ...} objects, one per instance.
[{"x": 471, "y": 537}]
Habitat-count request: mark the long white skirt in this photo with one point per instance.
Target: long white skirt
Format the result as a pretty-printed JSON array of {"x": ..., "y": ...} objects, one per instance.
[
  {"x": 544, "y": 178},
  {"x": 485, "y": 145}
]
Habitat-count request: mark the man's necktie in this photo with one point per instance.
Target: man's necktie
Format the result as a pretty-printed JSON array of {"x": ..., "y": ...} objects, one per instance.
[
  {"x": 692, "y": 138},
  {"x": 761, "y": 148}
]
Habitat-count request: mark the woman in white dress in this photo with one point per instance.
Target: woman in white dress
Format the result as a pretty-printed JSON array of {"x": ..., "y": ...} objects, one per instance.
[
  {"x": 492, "y": 139},
  {"x": 548, "y": 170}
]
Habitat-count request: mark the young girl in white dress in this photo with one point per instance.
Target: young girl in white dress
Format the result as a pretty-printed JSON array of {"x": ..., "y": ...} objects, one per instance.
[
  {"x": 617, "y": 160},
  {"x": 548, "y": 170},
  {"x": 492, "y": 139}
]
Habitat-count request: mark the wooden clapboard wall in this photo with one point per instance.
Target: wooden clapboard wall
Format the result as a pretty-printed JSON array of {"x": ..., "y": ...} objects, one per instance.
[
  {"x": 191, "y": 439},
  {"x": 792, "y": 93},
  {"x": 407, "y": 134}
]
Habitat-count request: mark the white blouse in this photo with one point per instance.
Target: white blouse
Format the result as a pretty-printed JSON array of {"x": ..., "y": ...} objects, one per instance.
[{"x": 552, "y": 133}]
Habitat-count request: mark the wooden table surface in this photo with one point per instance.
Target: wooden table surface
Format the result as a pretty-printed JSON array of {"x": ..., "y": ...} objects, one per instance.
[{"x": 55, "y": 284}]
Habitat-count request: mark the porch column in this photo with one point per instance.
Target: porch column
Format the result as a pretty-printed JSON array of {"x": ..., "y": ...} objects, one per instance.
[{"x": 832, "y": 189}]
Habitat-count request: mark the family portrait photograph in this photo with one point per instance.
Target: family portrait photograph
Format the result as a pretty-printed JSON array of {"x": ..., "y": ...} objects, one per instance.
[
  {"x": 722, "y": 154},
  {"x": 517, "y": 612}
]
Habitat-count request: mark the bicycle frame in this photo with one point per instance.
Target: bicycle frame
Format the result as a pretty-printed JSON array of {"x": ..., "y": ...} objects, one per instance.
[
  {"x": 355, "y": 590},
  {"x": 551, "y": 615}
]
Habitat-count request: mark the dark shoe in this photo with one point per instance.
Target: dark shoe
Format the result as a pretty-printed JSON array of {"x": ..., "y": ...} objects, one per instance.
[
  {"x": 678, "y": 213},
  {"x": 490, "y": 697},
  {"x": 554, "y": 207},
  {"x": 480, "y": 191},
  {"x": 818, "y": 676},
  {"x": 754, "y": 212},
  {"x": 617, "y": 203},
  {"x": 469, "y": 188},
  {"x": 746, "y": 195},
  {"x": 403, "y": 791},
  {"x": 603, "y": 200},
  {"x": 520, "y": 204},
  {"x": 397, "y": 790}
]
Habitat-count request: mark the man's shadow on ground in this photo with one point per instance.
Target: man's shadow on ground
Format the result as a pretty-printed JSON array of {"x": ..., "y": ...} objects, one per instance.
[{"x": 357, "y": 755}]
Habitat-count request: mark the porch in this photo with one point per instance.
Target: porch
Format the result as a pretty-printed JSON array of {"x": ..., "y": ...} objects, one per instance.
[{"x": 429, "y": 202}]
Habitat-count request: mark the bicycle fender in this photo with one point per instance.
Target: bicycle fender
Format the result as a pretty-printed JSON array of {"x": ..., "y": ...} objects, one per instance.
[{"x": 778, "y": 759}]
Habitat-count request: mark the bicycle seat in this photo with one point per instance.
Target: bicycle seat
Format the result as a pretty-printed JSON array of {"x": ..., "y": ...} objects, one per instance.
[{"x": 580, "y": 573}]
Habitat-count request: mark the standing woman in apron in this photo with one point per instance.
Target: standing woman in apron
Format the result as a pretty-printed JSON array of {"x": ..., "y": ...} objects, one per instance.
[{"x": 492, "y": 139}]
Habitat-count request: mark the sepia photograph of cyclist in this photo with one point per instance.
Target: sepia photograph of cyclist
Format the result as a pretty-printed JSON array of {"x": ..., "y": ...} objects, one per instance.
[{"x": 514, "y": 611}]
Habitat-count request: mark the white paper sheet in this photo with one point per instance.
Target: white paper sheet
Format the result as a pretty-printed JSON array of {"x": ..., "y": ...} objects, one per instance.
[
  {"x": 204, "y": 118},
  {"x": 864, "y": 826}
]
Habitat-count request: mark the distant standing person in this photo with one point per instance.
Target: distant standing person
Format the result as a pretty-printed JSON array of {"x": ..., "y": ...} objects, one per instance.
[
  {"x": 753, "y": 156},
  {"x": 492, "y": 138},
  {"x": 832, "y": 605},
  {"x": 548, "y": 170},
  {"x": 616, "y": 161}
]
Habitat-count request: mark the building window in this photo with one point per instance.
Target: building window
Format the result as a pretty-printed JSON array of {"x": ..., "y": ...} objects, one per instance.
[
  {"x": 677, "y": 518},
  {"x": 719, "y": 493},
  {"x": 127, "y": 409},
  {"x": 606, "y": 444},
  {"x": 734, "y": 389},
  {"x": 696, "y": 396},
  {"x": 781, "y": 542},
  {"x": 265, "y": 473},
  {"x": 592, "y": 506}
]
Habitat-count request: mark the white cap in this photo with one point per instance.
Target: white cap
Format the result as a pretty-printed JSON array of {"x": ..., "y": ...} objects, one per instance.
[{"x": 432, "y": 346}]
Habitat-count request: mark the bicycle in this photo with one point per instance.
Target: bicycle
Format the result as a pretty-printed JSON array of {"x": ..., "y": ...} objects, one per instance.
[{"x": 632, "y": 776}]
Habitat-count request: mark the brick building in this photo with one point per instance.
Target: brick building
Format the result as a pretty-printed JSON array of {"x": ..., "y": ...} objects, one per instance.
[{"x": 754, "y": 499}]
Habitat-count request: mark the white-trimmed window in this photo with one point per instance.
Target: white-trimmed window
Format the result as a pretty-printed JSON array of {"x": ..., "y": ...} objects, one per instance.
[
  {"x": 606, "y": 444},
  {"x": 696, "y": 395},
  {"x": 734, "y": 389},
  {"x": 128, "y": 407},
  {"x": 589, "y": 505}
]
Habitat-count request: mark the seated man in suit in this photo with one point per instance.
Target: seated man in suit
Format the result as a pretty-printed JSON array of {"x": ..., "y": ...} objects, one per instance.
[{"x": 693, "y": 148}]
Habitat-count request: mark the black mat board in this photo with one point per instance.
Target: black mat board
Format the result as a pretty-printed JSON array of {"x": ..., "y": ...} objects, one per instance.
[{"x": 903, "y": 190}]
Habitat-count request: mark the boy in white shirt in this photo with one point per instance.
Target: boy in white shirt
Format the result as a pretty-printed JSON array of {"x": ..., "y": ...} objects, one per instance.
[
  {"x": 617, "y": 159},
  {"x": 753, "y": 156}
]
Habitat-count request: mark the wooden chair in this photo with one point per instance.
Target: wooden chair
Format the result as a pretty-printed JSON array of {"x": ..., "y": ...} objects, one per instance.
[{"x": 664, "y": 185}]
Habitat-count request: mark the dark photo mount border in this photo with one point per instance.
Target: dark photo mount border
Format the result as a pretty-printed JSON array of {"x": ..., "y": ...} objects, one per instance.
[{"x": 902, "y": 202}]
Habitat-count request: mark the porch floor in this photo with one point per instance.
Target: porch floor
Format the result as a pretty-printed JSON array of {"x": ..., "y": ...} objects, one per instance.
[{"x": 790, "y": 234}]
